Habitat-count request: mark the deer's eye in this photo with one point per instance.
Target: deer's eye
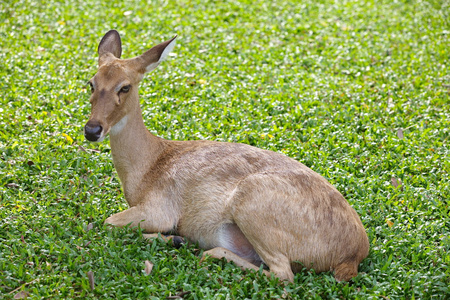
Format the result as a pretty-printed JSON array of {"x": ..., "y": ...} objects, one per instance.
[
  {"x": 91, "y": 86},
  {"x": 125, "y": 89}
]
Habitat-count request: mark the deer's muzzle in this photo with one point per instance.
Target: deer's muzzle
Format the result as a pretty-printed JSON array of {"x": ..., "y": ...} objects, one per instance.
[{"x": 93, "y": 131}]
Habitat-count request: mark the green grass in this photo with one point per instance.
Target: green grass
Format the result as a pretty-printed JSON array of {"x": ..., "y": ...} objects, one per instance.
[{"x": 356, "y": 90}]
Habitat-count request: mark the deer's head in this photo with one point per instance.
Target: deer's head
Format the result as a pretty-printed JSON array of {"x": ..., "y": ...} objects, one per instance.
[{"x": 115, "y": 86}]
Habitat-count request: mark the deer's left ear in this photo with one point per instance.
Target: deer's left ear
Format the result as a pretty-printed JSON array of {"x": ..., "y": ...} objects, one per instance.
[
  {"x": 148, "y": 61},
  {"x": 110, "y": 44}
]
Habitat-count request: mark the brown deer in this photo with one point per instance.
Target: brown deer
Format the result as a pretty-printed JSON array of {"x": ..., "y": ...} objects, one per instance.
[{"x": 249, "y": 205}]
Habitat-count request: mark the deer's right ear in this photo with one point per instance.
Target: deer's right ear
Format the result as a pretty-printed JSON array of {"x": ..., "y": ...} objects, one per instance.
[{"x": 111, "y": 44}]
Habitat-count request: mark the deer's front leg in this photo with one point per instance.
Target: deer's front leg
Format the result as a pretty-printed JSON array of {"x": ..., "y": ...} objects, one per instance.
[
  {"x": 152, "y": 222},
  {"x": 175, "y": 240},
  {"x": 131, "y": 215}
]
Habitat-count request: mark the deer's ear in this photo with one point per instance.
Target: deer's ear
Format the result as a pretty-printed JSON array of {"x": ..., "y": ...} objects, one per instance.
[
  {"x": 110, "y": 44},
  {"x": 148, "y": 61}
]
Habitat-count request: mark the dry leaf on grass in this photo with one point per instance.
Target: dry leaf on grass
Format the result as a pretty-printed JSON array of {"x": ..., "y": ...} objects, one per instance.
[
  {"x": 396, "y": 183},
  {"x": 89, "y": 227},
  {"x": 21, "y": 295},
  {"x": 148, "y": 267},
  {"x": 90, "y": 276},
  {"x": 389, "y": 222},
  {"x": 179, "y": 296}
]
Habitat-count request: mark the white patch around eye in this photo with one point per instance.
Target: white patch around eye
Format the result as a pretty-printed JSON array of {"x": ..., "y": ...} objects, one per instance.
[
  {"x": 122, "y": 84},
  {"x": 119, "y": 126}
]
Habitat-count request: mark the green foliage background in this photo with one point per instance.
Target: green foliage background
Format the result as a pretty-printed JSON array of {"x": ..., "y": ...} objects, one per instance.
[{"x": 356, "y": 90}]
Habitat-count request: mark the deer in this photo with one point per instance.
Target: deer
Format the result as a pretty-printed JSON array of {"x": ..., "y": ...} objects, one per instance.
[{"x": 257, "y": 208}]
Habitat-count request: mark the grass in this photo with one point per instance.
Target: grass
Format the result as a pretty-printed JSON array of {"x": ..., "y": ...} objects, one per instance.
[{"x": 356, "y": 90}]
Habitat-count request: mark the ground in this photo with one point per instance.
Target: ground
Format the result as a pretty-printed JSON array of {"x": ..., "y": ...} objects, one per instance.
[{"x": 356, "y": 90}]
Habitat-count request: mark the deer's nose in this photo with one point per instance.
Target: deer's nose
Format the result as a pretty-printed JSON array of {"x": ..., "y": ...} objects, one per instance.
[{"x": 92, "y": 131}]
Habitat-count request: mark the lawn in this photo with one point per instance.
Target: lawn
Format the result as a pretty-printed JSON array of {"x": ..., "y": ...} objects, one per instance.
[{"x": 359, "y": 91}]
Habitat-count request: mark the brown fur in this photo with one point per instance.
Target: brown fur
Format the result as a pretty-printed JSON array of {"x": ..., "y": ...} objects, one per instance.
[{"x": 262, "y": 205}]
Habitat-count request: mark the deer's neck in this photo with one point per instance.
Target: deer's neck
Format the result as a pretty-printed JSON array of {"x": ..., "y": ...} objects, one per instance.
[{"x": 134, "y": 150}]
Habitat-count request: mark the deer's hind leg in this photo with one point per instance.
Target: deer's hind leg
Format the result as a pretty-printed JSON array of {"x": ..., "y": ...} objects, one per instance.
[
  {"x": 261, "y": 212},
  {"x": 345, "y": 271},
  {"x": 230, "y": 256},
  {"x": 257, "y": 233},
  {"x": 234, "y": 247}
]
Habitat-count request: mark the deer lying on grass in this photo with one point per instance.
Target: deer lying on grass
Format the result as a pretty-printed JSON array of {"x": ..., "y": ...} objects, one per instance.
[{"x": 248, "y": 205}]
